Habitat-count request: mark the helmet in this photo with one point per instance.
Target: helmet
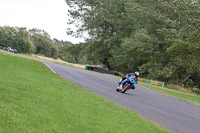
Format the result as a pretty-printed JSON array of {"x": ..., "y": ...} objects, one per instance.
[{"x": 137, "y": 73}]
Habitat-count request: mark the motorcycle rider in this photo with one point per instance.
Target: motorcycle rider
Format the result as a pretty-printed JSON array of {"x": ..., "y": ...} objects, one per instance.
[{"x": 136, "y": 75}]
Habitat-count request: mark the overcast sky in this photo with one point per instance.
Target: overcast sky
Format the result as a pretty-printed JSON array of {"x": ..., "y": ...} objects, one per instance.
[{"x": 48, "y": 15}]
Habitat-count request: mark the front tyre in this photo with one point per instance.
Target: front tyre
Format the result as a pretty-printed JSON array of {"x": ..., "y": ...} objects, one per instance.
[{"x": 125, "y": 88}]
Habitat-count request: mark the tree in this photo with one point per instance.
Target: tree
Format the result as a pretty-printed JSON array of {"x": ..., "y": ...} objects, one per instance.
[
  {"x": 70, "y": 52},
  {"x": 55, "y": 51},
  {"x": 41, "y": 41},
  {"x": 17, "y": 38},
  {"x": 22, "y": 41},
  {"x": 7, "y": 36},
  {"x": 99, "y": 19}
]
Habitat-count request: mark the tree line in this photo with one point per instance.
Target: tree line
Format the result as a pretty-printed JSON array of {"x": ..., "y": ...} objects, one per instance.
[
  {"x": 158, "y": 38},
  {"x": 36, "y": 41}
]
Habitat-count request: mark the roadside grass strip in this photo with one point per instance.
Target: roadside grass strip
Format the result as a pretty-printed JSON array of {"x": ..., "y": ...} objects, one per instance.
[
  {"x": 192, "y": 98},
  {"x": 35, "y": 100}
]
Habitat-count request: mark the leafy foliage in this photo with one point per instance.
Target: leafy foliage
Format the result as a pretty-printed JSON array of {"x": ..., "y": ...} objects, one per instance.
[
  {"x": 17, "y": 38},
  {"x": 71, "y": 53}
]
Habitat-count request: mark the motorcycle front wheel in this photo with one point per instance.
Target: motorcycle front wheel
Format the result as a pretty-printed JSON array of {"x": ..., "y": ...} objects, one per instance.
[{"x": 125, "y": 88}]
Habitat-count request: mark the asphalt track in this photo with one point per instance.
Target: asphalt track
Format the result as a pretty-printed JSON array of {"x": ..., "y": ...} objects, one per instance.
[{"x": 176, "y": 115}]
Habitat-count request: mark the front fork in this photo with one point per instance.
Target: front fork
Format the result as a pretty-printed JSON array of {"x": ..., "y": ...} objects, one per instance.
[{"x": 120, "y": 81}]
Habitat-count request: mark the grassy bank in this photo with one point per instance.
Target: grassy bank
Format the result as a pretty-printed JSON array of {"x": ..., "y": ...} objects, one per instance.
[
  {"x": 192, "y": 98},
  {"x": 33, "y": 99}
]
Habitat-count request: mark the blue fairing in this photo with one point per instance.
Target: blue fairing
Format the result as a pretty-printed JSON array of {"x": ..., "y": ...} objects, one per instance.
[{"x": 130, "y": 79}]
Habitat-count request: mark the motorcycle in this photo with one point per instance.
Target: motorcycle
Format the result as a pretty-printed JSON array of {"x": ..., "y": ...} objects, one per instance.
[
  {"x": 127, "y": 85},
  {"x": 124, "y": 88}
]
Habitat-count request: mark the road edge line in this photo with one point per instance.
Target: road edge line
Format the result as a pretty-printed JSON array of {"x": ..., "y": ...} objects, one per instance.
[{"x": 48, "y": 67}]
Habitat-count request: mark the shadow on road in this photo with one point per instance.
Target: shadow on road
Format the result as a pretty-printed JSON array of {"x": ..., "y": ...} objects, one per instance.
[{"x": 126, "y": 93}]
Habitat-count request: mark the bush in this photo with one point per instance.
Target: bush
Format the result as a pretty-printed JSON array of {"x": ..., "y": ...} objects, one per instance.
[{"x": 196, "y": 91}]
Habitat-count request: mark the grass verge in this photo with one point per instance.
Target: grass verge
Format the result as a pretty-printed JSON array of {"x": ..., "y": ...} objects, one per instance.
[
  {"x": 192, "y": 98},
  {"x": 33, "y": 99}
]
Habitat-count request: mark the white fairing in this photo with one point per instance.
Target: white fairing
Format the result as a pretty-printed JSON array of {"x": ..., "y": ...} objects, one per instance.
[{"x": 120, "y": 87}]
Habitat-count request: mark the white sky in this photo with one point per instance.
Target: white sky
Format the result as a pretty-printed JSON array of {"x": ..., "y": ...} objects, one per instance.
[{"x": 48, "y": 15}]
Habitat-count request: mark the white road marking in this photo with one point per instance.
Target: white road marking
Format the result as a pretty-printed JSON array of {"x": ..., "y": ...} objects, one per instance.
[{"x": 49, "y": 67}]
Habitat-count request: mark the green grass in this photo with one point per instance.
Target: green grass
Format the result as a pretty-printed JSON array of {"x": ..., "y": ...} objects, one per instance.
[
  {"x": 35, "y": 100},
  {"x": 192, "y": 98}
]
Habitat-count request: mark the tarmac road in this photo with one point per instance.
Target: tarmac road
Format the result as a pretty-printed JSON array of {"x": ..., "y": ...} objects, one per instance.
[{"x": 176, "y": 115}]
